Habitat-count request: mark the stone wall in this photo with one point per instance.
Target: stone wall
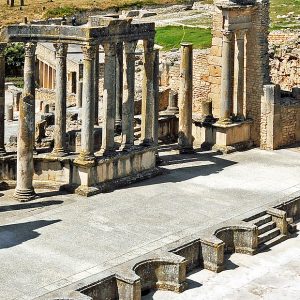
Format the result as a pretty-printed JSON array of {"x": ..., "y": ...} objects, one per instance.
[
  {"x": 285, "y": 59},
  {"x": 201, "y": 85},
  {"x": 49, "y": 96}
]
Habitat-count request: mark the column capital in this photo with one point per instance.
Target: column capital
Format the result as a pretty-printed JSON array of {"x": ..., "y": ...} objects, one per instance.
[
  {"x": 60, "y": 49},
  {"x": 129, "y": 47},
  {"x": 89, "y": 52},
  {"x": 30, "y": 49},
  {"x": 227, "y": 34},
  {"x": 109, "y": 48}
]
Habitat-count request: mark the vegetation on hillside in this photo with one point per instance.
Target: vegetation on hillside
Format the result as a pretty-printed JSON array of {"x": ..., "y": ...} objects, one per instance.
[{"x": 170, "y": 37}]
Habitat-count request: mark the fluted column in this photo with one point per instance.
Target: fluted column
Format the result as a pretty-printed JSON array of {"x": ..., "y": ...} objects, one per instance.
[
  {"x": 119, "y": 84},
  {"x": 88, "y": 105},
  {"x": 61, "y": 99},
  {"x": 128, "y": 96},
  {"x": 96, "y": 88},
  {"x": 185, "y": 138},
  {"x": 109, "y": 99},
  {"x": 239, "y": 70},
  {"x": 24, "y": 189},
  {"x": 148, "y": 94},
  {"x": 226, "y": 78},
  {"x": 2, "y": 98}
]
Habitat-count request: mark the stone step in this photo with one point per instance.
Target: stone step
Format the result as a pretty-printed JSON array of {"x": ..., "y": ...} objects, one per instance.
[
  {"x": 266, "y": 227},
  {"x": 262, "y": 220},
  {"x": 276, "y": 240},
  {"x": 263, "y": 238}
]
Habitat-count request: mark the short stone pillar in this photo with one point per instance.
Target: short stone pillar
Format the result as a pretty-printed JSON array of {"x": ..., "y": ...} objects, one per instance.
[
  {"x": 173, "y": 102},
  {"x": 79, "y": 94},
  {"x": 239, "y": 72},
  {"x": 185, "y": 138},
  {"x": 26, "y": 134},
  {"x": 128, "y": 96},
  {"x": 226, "y": 78},
  {"x": 61, "y": 100},
  {"x": 9, "y": 113},
  {"x": 88, "y": 105},
  {"x": 119, "y": 84},
  {"x": 2, "y": 97},
  {"x": 17, "y": 98},
  {"x": 109, "y": 100},
  {"x": 148, "y": 94}
]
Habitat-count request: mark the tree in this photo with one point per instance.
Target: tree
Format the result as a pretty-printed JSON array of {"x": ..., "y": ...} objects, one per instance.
[{"x": 14, "y": 59}]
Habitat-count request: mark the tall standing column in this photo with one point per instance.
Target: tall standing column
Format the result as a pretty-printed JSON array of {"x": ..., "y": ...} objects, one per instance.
[
  {"x": 61, "y": 100},
  {"x": 185, "y": 138},
  {"x": 119, "y": 84},
  {"x": 156, "y": 96},
  {"x": 226, "y": 78},
  {"x": 148, "y": 94},
  {"x": 2, "y": 98},
  {"x": 239, "y": 70},
  {"x": 24, "y": 189},
  {"x": 96, "y": 88},
  {"x": 109, "y": 99},
  {"x": 128, "y": 96},
  {"x": 88, "y": 105}
]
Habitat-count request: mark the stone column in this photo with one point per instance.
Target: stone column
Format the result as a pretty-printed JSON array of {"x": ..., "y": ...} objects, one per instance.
[
  {"x": 109, "y": 99},
  {"x": 96, "y": 88},
  {"x": 128, "y": 96},
  {"x": 79, "y": 94},
  {"x": 88, "y": 105},
  {"x": 185, "y": 138},
  {"x": 24, "y": 189},
  {"x": 156, "y": 96},
  {"x": 2, "y": 98},
  {"x": 226, "y": 78},
  {"x": 148, "y": 95},
  {"x": 239, "y": 70},
  {"x": 61, "y": 100},
  {"x": 119, "y": 84}
]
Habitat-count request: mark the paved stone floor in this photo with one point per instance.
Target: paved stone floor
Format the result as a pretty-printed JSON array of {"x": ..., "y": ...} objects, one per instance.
[
  {"x": 59, "y": 239},
  {"x": 271, "y": 275}
]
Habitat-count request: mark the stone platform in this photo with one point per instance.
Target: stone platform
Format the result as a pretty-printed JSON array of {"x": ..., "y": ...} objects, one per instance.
[{"x": 60, "y": 240}]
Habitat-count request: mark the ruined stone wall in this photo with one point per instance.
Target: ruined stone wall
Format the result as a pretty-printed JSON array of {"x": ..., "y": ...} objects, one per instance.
[
  {"x": 201, "y": 85},
  {"x": 285, "y": 59},
  {"x": 49, "y": 96}
]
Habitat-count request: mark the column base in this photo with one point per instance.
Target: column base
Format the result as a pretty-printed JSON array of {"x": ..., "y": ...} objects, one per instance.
[
  {"x": 2, "y": 152},
  {"x": 126, "y": 147},
  {"x": 146, "y": 142},
  {"x": 58, "y": 153},
  {"x": 25, "y": 195},
  {"x": 85, "y": 159},
  {"x": 106, "y": 152},
  {"x": 187, "y": 150},
  {"x": 225, "y": 121}
]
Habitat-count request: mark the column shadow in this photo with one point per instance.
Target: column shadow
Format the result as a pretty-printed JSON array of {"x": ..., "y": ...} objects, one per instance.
[{"x": 16, "y": 234}]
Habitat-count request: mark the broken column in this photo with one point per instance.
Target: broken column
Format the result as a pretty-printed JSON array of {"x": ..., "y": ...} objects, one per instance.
[
  {"x": 24, "y": 189},
  {"x": 2, "y": 97},
  {"x": 148, "y": 94},
  {"x": 88, "y": 105},
  {"x": 128, "y": 96},
  {"x": 185, "y": 138},
  {"x": 109, "y": 99},
  {"x": 239, "y": 70},
  {"x": 61, "y": 100},
  {"x": 226, "y": 78},
  {"x": 119, "y": 84}
]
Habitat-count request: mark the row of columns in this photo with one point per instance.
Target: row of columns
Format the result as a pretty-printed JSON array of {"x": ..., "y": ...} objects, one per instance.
[
  {"x": 232, "y": 76},
  {"x": 125, "y": 91}
]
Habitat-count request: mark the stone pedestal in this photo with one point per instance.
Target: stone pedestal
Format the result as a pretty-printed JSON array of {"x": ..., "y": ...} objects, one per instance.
[
  {"x": 24, "y": 189},
  {"x": 185, "y": 138}
]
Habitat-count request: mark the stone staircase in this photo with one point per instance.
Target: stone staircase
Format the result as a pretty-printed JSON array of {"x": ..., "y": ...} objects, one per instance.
[{"x": 268, "y": 232}]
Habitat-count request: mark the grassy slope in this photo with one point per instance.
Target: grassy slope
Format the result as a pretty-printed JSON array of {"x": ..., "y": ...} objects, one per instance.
[{"x": 171, "y": 36}]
